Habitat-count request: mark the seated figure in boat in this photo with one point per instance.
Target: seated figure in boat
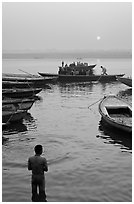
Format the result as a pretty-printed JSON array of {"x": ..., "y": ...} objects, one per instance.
[
  {"x": 90, "y": 72},
  {"x": 104, "y": 71},
  {"x": 62, "y": 64}
]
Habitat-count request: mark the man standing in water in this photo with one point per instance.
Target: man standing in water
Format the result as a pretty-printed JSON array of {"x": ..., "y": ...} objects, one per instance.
[{"x": 38, "y": 165}]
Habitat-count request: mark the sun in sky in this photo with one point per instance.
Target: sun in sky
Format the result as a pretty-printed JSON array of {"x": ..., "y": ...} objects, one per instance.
[{"x": 98, "y": 37}]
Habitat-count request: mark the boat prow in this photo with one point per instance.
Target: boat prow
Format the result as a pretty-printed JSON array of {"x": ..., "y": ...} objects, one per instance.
[{"x": 125, "y": 80}]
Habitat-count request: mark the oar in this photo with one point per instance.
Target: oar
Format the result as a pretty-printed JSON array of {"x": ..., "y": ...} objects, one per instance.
[
  {"x": 26, "y": 72},
  {"x": 94, "y": 103},
  {"x": 100, "y": 77}
]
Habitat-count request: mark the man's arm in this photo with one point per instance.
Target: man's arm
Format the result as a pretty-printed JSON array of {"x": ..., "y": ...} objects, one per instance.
[
  {"x": 45, "y": 165},
  {"x": 29, "y": 165}
]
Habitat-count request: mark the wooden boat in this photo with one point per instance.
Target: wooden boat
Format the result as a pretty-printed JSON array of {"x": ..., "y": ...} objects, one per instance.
[
  {"x": 87, "y": 78},
  {"x": 84, "y": 78},
  {"x": 125, "y": 80},
  {"x": 20, "y": 93},
  {"x": 35, "y": 81},
  {"x": 20, "y": 104},
  {"x": 79, "y": 72},
  {"x": 11, "y": 114},
  {"x": 19, "y": 75},
  {"x": 16, "y": 84},
  {"x": 116, "y": 112}
]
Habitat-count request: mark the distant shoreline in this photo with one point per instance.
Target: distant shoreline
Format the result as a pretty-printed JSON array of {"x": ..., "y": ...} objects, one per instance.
[{"x": 61, "y": 55}]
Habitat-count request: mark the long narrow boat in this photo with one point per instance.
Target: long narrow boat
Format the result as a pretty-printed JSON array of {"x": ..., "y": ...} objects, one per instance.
[
  {"x": 19, "y": 75},
  {"x": 20, "y": 93},
  {"x": 86, "y": 78},
  {"x": 125, "y": 80},
  {"x": 116, "y": 112},
  {"x": 35, "y": 81},
  {"x": 20, "y": 104},
  {"x": 16, "y": 84},
  {"x": 83, "y": 78}
]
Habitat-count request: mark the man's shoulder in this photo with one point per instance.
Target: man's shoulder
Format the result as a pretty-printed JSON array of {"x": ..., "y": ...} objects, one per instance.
[
  {"x": 31, "y": 158},
  {"x": 43, "y": 159}
]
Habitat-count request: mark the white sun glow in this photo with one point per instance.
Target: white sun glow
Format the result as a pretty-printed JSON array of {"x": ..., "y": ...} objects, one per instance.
[{"x": 98, "y": 37}]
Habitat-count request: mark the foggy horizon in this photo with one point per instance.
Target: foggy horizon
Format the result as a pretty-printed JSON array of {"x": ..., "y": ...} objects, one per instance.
[{"x": 66, "y": 26}]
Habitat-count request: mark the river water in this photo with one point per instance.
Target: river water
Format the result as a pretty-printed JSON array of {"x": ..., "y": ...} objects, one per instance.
[{"x": 88, "y": 162}]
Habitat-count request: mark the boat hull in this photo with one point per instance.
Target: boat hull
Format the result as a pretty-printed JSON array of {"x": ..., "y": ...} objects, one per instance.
[
  {"x": 83, "y": 78},
  {"x": 117, "y": 113},
  {"x": 28, "y": 81},
  {"x": 126, "y": 81},
  {"x": 86, "y": 78},
  {"x": 14, "y": 84},
  {"x": 20, "y": 93}
]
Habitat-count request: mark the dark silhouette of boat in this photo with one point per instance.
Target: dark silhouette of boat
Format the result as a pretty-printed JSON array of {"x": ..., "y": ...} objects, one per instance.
[
  {"x": 20, "y": 93},
  {"x": 16, "y": 84},
  {"x": 80, "y": 72},
  {"x": 24, "y": 81},
  {"x": 83, "y": 78}
]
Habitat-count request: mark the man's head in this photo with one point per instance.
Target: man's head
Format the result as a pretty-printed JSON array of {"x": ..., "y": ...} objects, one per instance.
[{"x": 38, "y": 149}]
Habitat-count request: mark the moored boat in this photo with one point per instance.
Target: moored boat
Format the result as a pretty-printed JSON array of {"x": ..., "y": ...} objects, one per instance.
[
  {"x": 125, "y": 80},
  {"x": 85, "y": 78},
  {"x": 16, "y": 84},
  {"x": 20, "y": 104},
  {"x": 116, "y": 112},
  {"x": 35, "y": 81},
  {"x": 20, "y": 93},
  {"x": 80, "y": 72}
]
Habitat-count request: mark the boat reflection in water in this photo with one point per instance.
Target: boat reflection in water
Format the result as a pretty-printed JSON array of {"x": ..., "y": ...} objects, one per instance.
[
  {"x": 115, "y": 136},
  {"x": 30, "y": 122},
  {"x": 20, "y": 127},
  {"x": 75, "y": 87},
  {"x": 14, "y": 128}
]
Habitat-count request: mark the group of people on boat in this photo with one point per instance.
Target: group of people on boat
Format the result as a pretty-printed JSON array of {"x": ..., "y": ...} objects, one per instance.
[
  {"x": 72, "y": 69},
  {"x": 69, "y": 71},
  {"x": 73, "y": 64}
]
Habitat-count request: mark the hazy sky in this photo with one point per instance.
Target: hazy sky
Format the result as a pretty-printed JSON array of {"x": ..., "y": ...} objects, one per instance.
[{"x": 50, "y": 26}]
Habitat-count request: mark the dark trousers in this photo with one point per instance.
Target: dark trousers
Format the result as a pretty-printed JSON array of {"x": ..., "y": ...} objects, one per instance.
[{"x": 38, "y": 182}]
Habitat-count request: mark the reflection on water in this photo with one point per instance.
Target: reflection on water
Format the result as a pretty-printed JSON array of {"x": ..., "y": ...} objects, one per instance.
[
  {"x": 14, "y": 128},
  {"x": 115, "y": 136},
  {"x": 4, "y": 140},
  {"x": 75, "y": 87},
  {"x": 20, "y": 127}
]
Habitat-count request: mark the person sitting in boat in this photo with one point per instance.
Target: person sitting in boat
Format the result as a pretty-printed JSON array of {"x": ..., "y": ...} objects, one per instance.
[
  {"x": 104, "y": 71},
  {"x": 90, "y": 72},
  {"x": 62, "y": 64},
  {"x": 60, "y": 70}
]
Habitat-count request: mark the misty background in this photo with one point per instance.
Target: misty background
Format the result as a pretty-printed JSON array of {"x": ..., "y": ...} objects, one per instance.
[{"x": 48, "y": 29}]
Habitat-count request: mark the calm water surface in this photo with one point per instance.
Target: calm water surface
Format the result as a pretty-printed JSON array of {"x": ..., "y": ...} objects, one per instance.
[{"x": 88, "y": 162}]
